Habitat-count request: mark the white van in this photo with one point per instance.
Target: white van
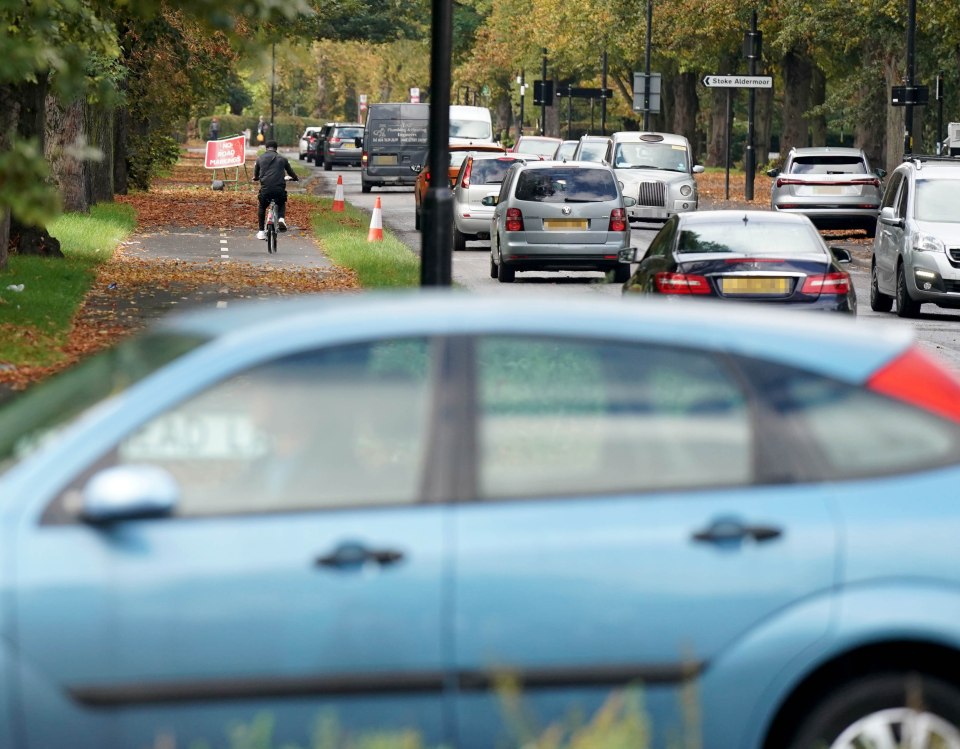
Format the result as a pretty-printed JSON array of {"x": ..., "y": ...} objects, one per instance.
[{"x": 470, "y": 125}]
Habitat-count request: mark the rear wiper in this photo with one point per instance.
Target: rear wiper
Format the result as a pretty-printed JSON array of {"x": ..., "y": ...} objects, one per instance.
[{"x": 578, "y": 200}]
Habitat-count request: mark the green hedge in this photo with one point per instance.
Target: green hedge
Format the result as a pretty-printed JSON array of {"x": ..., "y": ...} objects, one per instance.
[{"x": 288, "y": 129}]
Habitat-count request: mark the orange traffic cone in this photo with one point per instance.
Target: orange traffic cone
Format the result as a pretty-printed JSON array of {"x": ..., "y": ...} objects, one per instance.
[
  {"x": 376, "y": 224},
  {"x": 338, "y": 195}
]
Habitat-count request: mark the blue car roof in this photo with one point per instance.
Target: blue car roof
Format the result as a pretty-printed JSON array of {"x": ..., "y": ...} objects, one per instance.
[{"x": 832, "y": 345}]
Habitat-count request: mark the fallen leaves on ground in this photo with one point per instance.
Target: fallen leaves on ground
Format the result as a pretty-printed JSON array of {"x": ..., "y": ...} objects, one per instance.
[
  {"x": 712, "y": 186},
  {"x": 197, "y": 207}
]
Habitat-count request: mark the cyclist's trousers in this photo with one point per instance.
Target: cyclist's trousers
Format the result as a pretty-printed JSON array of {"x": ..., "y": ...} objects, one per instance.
[{"x": 265, "y": 197}]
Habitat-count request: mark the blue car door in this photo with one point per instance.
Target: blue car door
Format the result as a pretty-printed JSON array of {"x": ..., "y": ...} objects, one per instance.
[
  {"x": 628, "y": 526},
  {"x": 295, "y": 592}
]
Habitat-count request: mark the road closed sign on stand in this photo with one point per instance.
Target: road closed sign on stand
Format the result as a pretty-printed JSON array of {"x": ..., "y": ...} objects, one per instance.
[
  {"x": 226, "y": 153},
  {"x": 738, "y": 81}
]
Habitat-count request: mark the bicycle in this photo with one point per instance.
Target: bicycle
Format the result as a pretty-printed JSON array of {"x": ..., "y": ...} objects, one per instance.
[{"x": 270, "y": 226}]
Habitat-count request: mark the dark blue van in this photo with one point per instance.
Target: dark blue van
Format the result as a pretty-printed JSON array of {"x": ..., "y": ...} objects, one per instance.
[{"x": 394, "y": 141}]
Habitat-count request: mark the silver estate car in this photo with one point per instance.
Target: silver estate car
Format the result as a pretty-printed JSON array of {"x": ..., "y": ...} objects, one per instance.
[
  {"x": 916, "y": 252},
  {"x": 656, "y": 170},
  {"x": 480, "y": 175},
  {"x": 557, "y": 216},
  {"x": 834, "y": 187}
]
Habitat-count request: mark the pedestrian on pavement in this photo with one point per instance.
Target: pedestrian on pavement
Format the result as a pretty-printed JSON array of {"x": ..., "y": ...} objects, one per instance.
[
  {"x": 261, "y": 130},
  {"x": 271, "y": 171},
  {"x": 214, "y": 129}
]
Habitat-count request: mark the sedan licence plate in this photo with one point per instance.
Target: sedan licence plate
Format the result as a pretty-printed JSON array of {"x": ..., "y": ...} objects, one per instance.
[
  {"x": 565, "y": 224},
  {"x": 771, "y": 286}
]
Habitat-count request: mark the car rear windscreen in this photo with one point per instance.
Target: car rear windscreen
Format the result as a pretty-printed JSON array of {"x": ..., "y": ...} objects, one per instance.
[
  {"x": 756, "y": 239},
  {"x": 828, "y": 165},
  {"x": 489, "y": 171},
  {"x": 349, "y": 133},
  {"x": 566, "y": 186}
]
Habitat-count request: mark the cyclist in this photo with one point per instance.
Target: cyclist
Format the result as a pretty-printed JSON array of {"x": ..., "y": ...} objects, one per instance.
[{"x": 269, "y": 172}]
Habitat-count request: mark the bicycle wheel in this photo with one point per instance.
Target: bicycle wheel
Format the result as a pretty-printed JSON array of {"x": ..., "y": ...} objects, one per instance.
[{"x": 271, "y": 239}]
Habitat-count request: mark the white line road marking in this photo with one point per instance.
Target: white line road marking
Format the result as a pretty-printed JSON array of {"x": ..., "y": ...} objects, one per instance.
[{"x": 223, "y": 241}]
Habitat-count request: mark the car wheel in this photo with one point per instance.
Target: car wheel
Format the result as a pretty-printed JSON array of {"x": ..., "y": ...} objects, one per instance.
[
  {"x": 300, "y": 156},
  {"x": 505, "y": 274},
  {"x": 870, "y": 229},
  {"x": 327, "y": 166},
  {"x": 621, "y": 274},
  {"x": 906, "y": 306},
  {"x": 416, "y": 219},
  {"x": 885, "y": 710},
  {"x": 365, "y": 187},
  {"x": 494, "y": 273},
  {"x": 879, "y": 302},
  {"x": 459, "y": 240}
]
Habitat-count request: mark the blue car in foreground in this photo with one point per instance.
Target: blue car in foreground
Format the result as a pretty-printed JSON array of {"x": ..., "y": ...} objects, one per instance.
[{"x": 473, "y": 522}]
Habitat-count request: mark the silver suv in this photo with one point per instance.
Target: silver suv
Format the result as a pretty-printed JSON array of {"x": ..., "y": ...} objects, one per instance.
[
  {"x": 656, "y": 170},
  {"x": 916, "y": 252},
  {"x": 834, "y": 187},
  {"x": 555, "y": 216}
]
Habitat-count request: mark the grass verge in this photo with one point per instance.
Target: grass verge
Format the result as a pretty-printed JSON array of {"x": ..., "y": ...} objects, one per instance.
[
  {"x": 35, "y": 321},
  {"x": 343, "y": 236}
]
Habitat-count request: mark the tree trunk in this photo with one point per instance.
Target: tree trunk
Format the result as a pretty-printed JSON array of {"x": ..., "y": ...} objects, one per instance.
[
  {"x": 65, "y": 128},
  {"x": 100, "y": 173},
  {"x": 717, "y": 138},
  {"x": 503, "y": 113},
  {"x": 686, "y": 108},
  {"x": 9, "y": 111},
  {"x": 797, "y": 80},
  {"x": 121, "y": 127},
  {"x": 763, "y": 124},
  {"x": 818, "y": 97},
  {"x": 895, "y": 117},
  {"x": 870, "y": 131}
]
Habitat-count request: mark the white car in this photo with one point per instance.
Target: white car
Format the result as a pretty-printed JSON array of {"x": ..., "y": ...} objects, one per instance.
[
  {"x": 656, "y": 169},
  {"x": 306, "y": 148}
]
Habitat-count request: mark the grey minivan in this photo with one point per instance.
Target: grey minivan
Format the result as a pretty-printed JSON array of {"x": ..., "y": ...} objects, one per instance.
[
  {"x": 394, "y": 142},
  {"x": 558, "y": 216}
]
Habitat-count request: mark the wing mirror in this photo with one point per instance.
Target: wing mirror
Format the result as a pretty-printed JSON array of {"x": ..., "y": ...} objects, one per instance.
[
  {"x": 698, "y": 169},
  {"x": 358, "y": 142},
  {"x": 888, "y": 216},
  {"x": 881, "y": 173},
  {"x": 416, "y": 168},
  {"x": 629, "y": 202},
  {"x": 489, "y": 200},
  {"x": 627, "y": 255},
  {"x": 773, "y": 172},
  {"x": 129, "y": 492},
  {"x": 841, "y": 254}
]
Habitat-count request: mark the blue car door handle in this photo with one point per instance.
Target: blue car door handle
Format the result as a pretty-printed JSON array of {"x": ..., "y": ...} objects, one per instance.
[
  {"x": 726, "y": 530},
  {"x": 352, "y": 554}
]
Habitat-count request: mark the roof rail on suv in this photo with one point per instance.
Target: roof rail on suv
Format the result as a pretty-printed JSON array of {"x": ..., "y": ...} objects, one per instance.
[{"x": 918, "y": 159}]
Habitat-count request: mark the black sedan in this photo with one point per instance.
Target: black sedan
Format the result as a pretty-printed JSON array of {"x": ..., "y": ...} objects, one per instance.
[{"x": 755, "y": 256}]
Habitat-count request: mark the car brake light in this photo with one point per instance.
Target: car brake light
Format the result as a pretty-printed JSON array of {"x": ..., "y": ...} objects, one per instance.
[
  {"x": 618, "y": 220},
  {"x": 831, "y": 283},
  {"x": 363, "y": 158},
  {"x": 465, "y": 182},
  {"x": 681, "y": 283},
  {"x": 333, "y": 141},
  {"x": 918, "y": 379},
  {"x": 514, "y": 219}
]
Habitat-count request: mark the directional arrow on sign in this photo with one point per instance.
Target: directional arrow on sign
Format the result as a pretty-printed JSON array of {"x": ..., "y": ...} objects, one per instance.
[{"x": 738, "y": 81}]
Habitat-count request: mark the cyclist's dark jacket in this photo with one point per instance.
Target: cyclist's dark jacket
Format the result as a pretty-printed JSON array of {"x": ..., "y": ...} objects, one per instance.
[{"x": 270, "y": 169}]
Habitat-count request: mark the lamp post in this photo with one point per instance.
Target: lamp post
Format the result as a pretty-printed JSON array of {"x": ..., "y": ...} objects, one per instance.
[
  {"x": 646, "y": 68},
  {"x": 436, "y": 261},
  {"x": 543, "y": 98},
  {"x": 273, "y": 84},
  {"x": 911, "y": 74},
  {"x": 523, "y": 88}
]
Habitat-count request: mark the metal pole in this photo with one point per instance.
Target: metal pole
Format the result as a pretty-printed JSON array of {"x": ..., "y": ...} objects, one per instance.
[
  {"x": 523, "y": 86},
  {"x": 592, "y": 102},
  {"x": 911, "y": 73},
  {"x": 646, "y": 68},
  {"x": 750, "y": 160},
  {"x": 569, "y": 113},
  {"x": 273, "y": 82},
  {"x": 726, "y": 182},
  {"x": 603, "y": 100},
  {"x": 435, "y": 254},
  {"x": 939, "y": 112},
  {"x": 543, "y": 95}
]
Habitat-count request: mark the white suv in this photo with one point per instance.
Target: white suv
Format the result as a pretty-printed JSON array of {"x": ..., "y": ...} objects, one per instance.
[
  {"x": 655, "y": 169},
  {"x": 916, "y": 251}
]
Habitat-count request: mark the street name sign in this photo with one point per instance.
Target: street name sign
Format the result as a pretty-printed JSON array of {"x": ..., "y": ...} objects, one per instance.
[{"x": 738, "y": 81}]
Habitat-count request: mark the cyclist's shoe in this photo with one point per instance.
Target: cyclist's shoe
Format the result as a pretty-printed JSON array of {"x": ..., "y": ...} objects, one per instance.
[
  {"x": 261, "y": 234},
  {"x": 282, "y": 225}
]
